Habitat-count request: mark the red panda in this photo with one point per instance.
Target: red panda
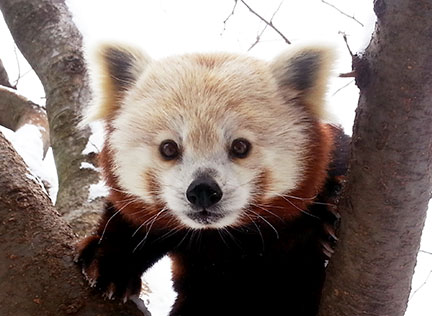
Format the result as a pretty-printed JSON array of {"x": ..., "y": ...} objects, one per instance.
[{"x": 222, "y": 162}]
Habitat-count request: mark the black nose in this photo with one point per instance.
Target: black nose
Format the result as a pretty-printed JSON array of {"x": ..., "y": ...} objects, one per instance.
[{"x": 204, "y": 192}]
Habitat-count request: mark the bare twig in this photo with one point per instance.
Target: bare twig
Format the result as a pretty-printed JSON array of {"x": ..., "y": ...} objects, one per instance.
[
  {"x": 342, "y": 12},
  {"x": 426, "y": 252},
  {"x": 269, "y": 23},
  {"x": 230, "y": 15},
  {"x": 345, "y": 38},
  {"x": 19, "y": 67},
  {"x": 258, "y": 38},
  {"x": 343, "y": 87},
  {"x": 423, "y": 284},
  {"x": 350, "y": 74}
]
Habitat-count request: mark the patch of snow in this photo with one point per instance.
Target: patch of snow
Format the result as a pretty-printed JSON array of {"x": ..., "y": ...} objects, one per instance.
[
  {"x": 27, "y": 141},
  {"x": 87, "y": 165},
  {"x": 48, "y": 164},
  {"x": 162, "y": 295},
  {"x": 37, "y": 180},
  {"x": 96, "y": 139},
  {"x": 97, "y": 190}
]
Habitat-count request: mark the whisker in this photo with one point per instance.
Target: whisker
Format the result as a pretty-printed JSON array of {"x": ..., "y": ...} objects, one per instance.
[
  {"x": 168, "y": 234},
  {"x": 145, "y": 222},
  {"x": 323, "y": 203},
  {"x": 109, "y": 220},
  {"x": 268, "y": 211},
  {"x": 221, "y": 236},
  {"x": 258, "y": 229},
  {"x": 149, "y": 229},
  {"x": 298, "y": 208},
  {"x": 118, "y": 190},
  {"x": 231, "y": 236},
  {"x": 187, "y": 233},
  {"x": 266, "y": 221}
]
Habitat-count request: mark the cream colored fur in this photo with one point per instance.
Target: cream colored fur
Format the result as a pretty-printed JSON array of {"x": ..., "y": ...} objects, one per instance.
[
  {"x": 203, "y": 102},
  {"x": 314, "y": 96},
  {"x": 105, "y": 95}
]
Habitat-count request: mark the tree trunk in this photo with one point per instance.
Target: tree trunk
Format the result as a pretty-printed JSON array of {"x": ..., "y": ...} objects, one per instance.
[
  {"x": 389, "y": 182},
  {"x": 46, "y": 35},
  {"x": 37, "y": 275}
]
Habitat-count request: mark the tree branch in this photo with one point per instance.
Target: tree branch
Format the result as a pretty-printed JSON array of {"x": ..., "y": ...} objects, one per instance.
[
  {"x": 37, "y": 275},
  {"x": 17, "y": 111},
  {"x": 268, "y": 23},
  {"x": 383, "y": 208},
  {"x": 258, "y": 38},
  {"x": 45, "y": 33},
  {"x": 342, "y": 12},
  {"x": 230, "y": 15},
  {"x": 343, "y": 87}
]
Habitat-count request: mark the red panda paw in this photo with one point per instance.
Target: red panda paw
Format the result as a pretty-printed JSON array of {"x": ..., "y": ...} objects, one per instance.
[{"x": 107, "y": 270}]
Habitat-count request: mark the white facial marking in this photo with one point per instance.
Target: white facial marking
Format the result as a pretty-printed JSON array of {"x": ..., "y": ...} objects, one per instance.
[{"x": 203, "y": 110}]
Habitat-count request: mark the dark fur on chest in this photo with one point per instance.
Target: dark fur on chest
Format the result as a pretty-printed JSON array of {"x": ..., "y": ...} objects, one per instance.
[
  {"x": 253, "y": 270},
  {"x": 249, "y": 272}
]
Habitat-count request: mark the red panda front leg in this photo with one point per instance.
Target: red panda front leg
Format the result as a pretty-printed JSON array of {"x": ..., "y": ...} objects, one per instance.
[{"x": 115, "y": 257}]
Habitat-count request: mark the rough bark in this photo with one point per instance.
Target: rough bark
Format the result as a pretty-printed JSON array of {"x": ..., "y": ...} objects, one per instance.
[
  {"x": 389, "y": 183},
  {"x": 17, "y": 111},
  {"x": 4, "y": 78},
  {"x": 47, "y": 37},
  {"x": 37, "y": 274}
]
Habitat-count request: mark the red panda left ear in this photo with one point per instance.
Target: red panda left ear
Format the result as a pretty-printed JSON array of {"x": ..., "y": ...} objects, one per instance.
[
  {"x": 115, "y": 69},
  {"x": 304, "y": 72}
]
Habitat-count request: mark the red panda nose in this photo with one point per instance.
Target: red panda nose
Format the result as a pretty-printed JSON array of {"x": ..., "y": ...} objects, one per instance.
[{"x": 204, "y": 192}]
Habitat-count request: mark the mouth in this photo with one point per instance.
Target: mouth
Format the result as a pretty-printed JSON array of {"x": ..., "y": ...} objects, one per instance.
[{"x": 205, "y": 217}]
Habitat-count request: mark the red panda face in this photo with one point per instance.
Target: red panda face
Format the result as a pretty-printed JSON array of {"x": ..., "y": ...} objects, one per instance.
[{"x": 208, "y": 137}]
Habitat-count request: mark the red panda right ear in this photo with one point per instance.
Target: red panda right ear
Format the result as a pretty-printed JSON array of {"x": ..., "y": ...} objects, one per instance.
[
  {"x": 115, "y": 69},
  {"x": 305, "y": 70}
]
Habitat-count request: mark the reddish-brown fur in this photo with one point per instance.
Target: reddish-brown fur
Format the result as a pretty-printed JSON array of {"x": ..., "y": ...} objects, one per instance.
[
  {"x": 287, "y": 207},
  {"x": 270, "y": 260}
]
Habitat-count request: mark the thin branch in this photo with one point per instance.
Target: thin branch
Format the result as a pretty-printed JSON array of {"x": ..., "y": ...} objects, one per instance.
[
  {"x": 426, "y": 252},
  {"x": 345, "y": 38},
  {"x": 350, "y": 74},
  {"x": 19, "y": 67},
  {"x": 421, "y": 286},
  {"x": 229, "y": 16},
  {"x": 258, "y": 38},
  {"x": 342, "y": 12},
  {"x": 343, "y": 87},
  {"x": 269, "y": 23},
  {"x": 17, "y": 111}
]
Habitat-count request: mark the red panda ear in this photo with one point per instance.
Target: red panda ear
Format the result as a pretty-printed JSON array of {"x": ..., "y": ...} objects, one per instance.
[
  {"x": 115, "y": 69},
  {"x": 304, "y": 71}
]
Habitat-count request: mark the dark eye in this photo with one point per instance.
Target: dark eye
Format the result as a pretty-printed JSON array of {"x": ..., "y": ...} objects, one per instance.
[
  {"x": 240, "y": 148},
  {"x": 169, "y": 149}
]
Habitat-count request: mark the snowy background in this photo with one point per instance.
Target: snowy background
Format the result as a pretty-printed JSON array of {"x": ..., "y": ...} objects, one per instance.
[{"x": 167, "y": 27}]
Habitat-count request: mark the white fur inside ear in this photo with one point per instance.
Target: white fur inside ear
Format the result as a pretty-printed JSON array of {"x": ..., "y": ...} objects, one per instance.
[
  {"x": 111, "y": 65},
  {"x": 306, "y": 69}
]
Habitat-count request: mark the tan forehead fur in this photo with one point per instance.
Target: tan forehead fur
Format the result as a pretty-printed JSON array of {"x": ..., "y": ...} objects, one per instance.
[{"x": 205, "y": 94}]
